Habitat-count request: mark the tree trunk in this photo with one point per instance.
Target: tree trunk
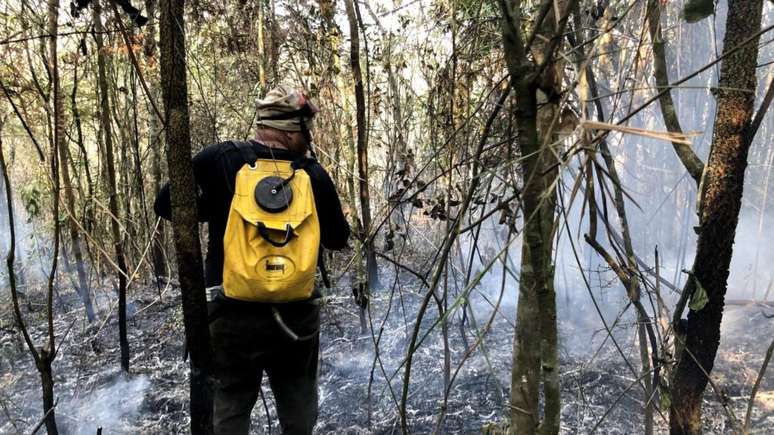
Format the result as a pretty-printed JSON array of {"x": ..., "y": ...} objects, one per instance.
[
  {"x": 42, "y": 359},
  {"x": 360, "y": 285},
  {"x": 88, "y": 211},
  {"x": 47, "y": 383},
  {"x": 535, "y": 341},
  {"x": 362, "y": 150},
  {"x": 720, "y": 201},
  {"x": 154, "y": 140},
  {"x": 261, "y": 48},
  {"x": 184, "y": 213},
  {"x": 83, "y": 285},
  {"x": 111, "y": 180},
  {"x": 46, "y": 354}
]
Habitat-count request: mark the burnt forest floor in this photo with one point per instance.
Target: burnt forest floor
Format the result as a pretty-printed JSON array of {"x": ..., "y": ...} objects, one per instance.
[{"x": 91, "y": 391}]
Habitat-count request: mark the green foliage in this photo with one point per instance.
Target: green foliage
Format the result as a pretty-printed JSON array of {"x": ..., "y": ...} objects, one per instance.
[
  {"x": 665, "y": 399},
  {"x": 699, "y": 298},
  {"x": 32, "y": 198}
]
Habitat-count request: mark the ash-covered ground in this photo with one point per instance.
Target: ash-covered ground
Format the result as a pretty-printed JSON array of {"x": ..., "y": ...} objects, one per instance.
[{"x": 355, "y": 397}]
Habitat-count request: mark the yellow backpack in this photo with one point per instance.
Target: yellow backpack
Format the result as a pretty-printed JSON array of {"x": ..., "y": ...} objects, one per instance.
[{"x": 272, "y": 234}]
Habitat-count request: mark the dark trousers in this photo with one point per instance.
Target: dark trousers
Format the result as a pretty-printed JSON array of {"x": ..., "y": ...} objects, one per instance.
[{"x": 247, "y": 342}]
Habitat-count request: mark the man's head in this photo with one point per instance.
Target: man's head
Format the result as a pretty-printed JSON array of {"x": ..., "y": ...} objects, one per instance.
[{"x": 284, "y": 118}]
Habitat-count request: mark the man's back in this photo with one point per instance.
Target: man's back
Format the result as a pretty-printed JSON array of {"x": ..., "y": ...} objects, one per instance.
[
  {"x": 215, "y": 169},
  {"x": 251, "y": 339}
]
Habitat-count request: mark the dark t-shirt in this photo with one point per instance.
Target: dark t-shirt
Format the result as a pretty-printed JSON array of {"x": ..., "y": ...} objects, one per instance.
[{"x": 215, "y": 169}]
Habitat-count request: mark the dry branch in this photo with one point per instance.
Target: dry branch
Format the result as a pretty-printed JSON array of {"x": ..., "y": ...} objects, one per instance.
[{"x": 681, "y": 138}]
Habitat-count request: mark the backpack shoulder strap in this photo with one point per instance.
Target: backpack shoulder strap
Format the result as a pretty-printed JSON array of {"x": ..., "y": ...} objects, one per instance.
[
  {"x": 247, "y": 151},
  {"x": 301, "y": 162}
]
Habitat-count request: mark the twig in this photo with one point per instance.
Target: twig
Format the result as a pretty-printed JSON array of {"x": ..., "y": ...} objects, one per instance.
[
  {"x": 265, "y": 408},
  {"x": 618, "y": 399},
  {"x": 587, "y": 285},
  {"x": 136, "y": 65},
  {"x": 95, "y": 243},
  {"x": 760, "y": 114},
  {"x": 448, "y": 242},
  {"x": 43, "y": 419},
  {"x": 46, "y": 35},
  {"x": 10, "y": 258},
  {"x": 406, "y": 268},
  {"x": 23, "y": 122},
  {"x": 757, "y": 385}
]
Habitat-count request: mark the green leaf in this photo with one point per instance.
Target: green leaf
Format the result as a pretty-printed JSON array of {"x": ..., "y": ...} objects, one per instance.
[
  {"x": 666, "y": 399},
  {"x": 699, "y": 298},
  {"x": 697, "y": 10}
]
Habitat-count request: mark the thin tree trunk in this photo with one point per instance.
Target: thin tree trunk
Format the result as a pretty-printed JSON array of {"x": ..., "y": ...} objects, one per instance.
[
  {"x": 535, "y": 342},
  {"x": 87, "y": 212},
  {"x": 720, "y": 201},
  {"x": 154, "y": 140},
  {"x": 83, "y": 285},
  {"x": 362, "y": 151},
  {"x": 360, "y": 282},
  {"x": 136, "y": 171},
  {"x": 184, "y": 213},
  {"x": 261, "y": 48},
  {"x": 79, "y": 130},
  {"x": 47, "y": 352},
  {"x": 111, "y": 180},
  {"x": 43, "y": 356}
]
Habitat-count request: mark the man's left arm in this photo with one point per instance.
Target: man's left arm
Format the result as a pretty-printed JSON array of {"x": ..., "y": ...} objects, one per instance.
[
  {"x": 202, "y": 162},
  {"x": 334, "y": 228}
]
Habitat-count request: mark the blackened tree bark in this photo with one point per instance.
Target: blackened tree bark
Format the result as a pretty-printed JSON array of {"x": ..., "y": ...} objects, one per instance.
[
  {"x": 115, "y": 230},
  {"x": 154, "y": 137},
  {"x": 184, "y": 214},
  {"x": 47, "y": 353},
  {"x": 720, "y": 197},
  {"x": 42, "y": 357},
  {"x": 65, "y": 161},
  {"x": 87, "y": 212},
  {"x": 362, "y": 149},
  {"x": 75, "y": 237}
]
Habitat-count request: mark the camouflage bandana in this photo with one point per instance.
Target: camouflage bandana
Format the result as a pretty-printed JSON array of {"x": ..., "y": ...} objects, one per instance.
[{"x": 279, "y": 101}]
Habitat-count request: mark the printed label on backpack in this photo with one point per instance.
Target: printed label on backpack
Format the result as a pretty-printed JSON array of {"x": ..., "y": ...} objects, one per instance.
[{"x": 275, "y": 267}]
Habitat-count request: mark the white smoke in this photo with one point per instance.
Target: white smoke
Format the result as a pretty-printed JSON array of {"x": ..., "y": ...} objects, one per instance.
[{"x": 113, "y": 407}]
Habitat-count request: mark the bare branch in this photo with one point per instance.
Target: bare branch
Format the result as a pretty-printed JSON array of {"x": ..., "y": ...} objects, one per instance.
[
  {"x": 685, "y": 153},
  {"x": 752, "y": 129}
]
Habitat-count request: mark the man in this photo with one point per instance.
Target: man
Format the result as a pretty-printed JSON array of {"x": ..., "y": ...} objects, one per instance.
[{"x": 252, "y": 338}]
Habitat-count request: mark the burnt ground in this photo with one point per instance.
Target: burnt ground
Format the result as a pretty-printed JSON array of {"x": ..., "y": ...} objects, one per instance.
[{"x": 92, "y": 392}]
